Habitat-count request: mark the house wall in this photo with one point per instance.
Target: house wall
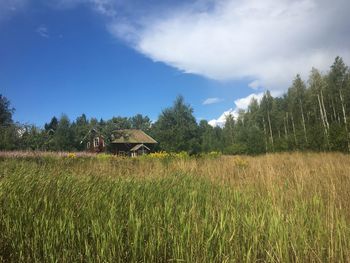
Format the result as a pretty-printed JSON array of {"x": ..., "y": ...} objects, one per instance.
[
  {"x": 122, "y": 148},
  {"x": 97, "y": 149}
]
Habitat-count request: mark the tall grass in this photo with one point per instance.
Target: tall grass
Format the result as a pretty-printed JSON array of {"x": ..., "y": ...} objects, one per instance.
[{"x": 274, "y": 208}]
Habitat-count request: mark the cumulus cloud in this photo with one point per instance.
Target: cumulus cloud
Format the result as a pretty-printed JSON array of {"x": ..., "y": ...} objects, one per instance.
[
  {"x": 209, "y": 101},
  {"x": 241, "y": 104},
  {"x": 267, "y": 41},
  {"x": 222, "y": 119}
]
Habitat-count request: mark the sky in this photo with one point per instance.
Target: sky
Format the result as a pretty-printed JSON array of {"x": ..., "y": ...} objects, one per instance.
[{"x": 110, "y": 58}]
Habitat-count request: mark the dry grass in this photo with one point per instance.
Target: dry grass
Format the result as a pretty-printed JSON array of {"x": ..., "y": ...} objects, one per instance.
[{"x": 277, "y": 207}]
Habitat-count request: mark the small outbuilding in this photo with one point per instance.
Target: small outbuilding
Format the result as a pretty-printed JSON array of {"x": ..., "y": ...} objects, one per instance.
[{"x": 131, "y": 142}]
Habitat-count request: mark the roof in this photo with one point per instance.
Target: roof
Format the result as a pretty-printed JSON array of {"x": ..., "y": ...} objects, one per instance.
[
  {"x": 136, "y": 147},
  {"x": 132, "y": 136}
]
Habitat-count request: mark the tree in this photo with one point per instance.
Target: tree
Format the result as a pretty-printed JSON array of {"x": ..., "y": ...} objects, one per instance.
[
  {"x": 52, "y": 126},
  {"x": 228, "y": 131},
  {"x": 176, "y": 129},
  {"x": 210, "y": 137},
  {"x": 8, "y": 131},
  {"x": 319, "y": 134},
  {"x": 296, "y": 95},
  {"x": 266, "y": 107},
  {"x": 33, "y": 138},
  {"x": 6, "y": 111},
  {"x": 80, "y": 128},
  {"x": 64, "y": 135},
  {"x": 140, "y": 122},
  {"x": 337, "y": 80},
  {"x": 255, "y": 144}
]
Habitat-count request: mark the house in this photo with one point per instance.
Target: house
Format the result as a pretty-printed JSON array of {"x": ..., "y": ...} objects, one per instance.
[
  {"x": 131, "y": 142},
  {"x": 95, "y": 141},
  {"x": 96, "y": 144}
]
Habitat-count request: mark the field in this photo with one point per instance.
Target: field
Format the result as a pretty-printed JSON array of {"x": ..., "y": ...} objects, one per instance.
[{"x": 274, "y": 208}]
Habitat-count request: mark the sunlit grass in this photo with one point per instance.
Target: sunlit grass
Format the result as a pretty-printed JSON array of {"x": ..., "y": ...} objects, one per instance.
[{"x": 274, "y": 208}]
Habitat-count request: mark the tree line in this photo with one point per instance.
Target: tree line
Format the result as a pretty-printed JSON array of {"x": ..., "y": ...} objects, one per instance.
[{"x": 310, "y": 116}]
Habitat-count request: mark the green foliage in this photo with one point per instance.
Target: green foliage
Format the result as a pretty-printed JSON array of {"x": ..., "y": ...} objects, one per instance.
[
  {"x": 6, "y": 111},
  {"x": 255, "y": 140},
  {"x": 140, "y": 122},
  {"x": 64, "y": 136},
  {"x": 176, "y": 129},
  {"x": 8, "y": 136},
  {"x": 237, "y": 148}
]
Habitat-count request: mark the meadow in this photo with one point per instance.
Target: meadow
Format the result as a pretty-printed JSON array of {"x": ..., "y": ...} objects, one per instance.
[{"x": 291, "y": 207}]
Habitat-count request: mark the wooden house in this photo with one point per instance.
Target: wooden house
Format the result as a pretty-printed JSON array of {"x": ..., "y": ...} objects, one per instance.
[
  {"x": 131, "y": 142},
  {"x": 95, "y": 141}
]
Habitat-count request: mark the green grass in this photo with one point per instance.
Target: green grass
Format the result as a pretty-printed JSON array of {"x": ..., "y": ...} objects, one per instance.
[{"x": 53, "y": 210}]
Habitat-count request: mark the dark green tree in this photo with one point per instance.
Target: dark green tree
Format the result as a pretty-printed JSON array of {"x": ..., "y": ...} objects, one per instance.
[
  {"x": 8, "y": 131},
  {"x": 176, "y": 129},
  {"x": 52, "y": 126},
  {"x": 64, "y": 135}
]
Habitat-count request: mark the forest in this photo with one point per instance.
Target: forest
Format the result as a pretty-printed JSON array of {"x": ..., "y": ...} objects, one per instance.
[{"x": 313, "y": 115}]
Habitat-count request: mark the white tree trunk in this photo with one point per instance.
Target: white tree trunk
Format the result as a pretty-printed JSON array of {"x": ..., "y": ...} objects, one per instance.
[
  {"x": 302, "y": 116},
  {"x": 265, "y": 134},
  {"x": 345, "y": 121},
  {"x": 268, "y": 117},
  {"x": 323, "y": 120},
  {"x": 295, "y": 136},
  {"x": 324, "y": 111},
  {"x": 285, "y": 128}
]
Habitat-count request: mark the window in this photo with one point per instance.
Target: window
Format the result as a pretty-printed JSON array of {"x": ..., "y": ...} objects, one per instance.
[
  {"x": 96, "y": 142},
  {"x": 88, "y": 145}
]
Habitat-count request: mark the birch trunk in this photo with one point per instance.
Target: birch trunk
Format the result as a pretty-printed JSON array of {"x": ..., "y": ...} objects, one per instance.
[
  {"x": 295, "y": 136},
  {"x": 333, "y": 107},
  {"x": 302, "y": 116},
  {"x": 268, "y": 117},
  {"x": 285, "y": 128},
  {"x": 324, "y": 111},
  {"x": 345, "y": 121},
  {"x": 265, "y": 134},
  {"x": 323, "y": 120}
]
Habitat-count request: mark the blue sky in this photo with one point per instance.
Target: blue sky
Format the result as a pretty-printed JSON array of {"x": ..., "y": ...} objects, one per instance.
[{"x": 110, "y": 58}]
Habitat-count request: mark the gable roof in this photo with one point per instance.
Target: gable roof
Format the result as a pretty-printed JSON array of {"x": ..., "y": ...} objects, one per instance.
[
  {"x": 139, "y": 146},
  {"x": 132, "y": 136}
]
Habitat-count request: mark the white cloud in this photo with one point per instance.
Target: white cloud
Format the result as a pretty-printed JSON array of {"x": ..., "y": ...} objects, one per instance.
[
  {"x": 43, "y": 31},
  {"x": 209, "y": 101},
  {"x": 267, "y": 41},
  {"x": 241, "y": 104},
  {"x": 222, "y": 119}
]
